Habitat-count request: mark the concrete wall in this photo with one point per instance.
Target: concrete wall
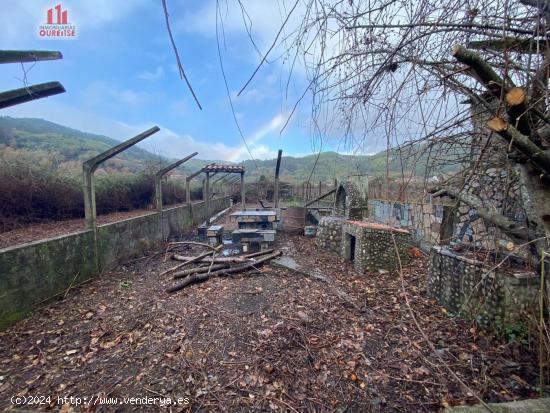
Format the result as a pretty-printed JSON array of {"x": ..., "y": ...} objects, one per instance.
[{"x": 34, "y": 272}]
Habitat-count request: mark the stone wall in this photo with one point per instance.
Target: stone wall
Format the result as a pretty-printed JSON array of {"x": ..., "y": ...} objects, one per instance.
[
  {"x": 493, "y": 297},
  {"x": 34, "y": 272},
  {"x": 350, "y": 202},
  {"x": 374, "y": 247},
  {"x": 498, "y": 189},
  {"x": 329, "y": 234}
]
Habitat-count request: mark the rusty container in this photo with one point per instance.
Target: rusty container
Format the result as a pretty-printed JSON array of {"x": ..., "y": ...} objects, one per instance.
[{"x": 294, "y": 219}]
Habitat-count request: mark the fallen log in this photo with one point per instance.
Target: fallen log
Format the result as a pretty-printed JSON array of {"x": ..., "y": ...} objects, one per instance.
[
  {"x": 257, "y": 254},
  {"x": 200, "y": 244},
  {"x": 236, "y": 259},
  {"x": 199, "y": 270},
  {"x": 187, "y": 262},
  {"x": 217, "y": 260},
  {"x": 198, "y": 278}
]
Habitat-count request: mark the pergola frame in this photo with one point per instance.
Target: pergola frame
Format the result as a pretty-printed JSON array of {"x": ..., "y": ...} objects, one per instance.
[
  {"x": 90, "y": 166},
  {"x": 212, "y": 170}
]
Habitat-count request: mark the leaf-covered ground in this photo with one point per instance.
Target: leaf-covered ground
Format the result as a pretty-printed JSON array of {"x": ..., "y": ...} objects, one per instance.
[{"x": 268, "y": 340}]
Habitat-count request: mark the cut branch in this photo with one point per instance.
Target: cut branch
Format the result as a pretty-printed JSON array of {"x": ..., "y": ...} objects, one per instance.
[
  {"x": 511, "y": 228},
  {"x": 510, "y": 44},
  {"x": 187, "y": 262},
  {"x": 539, "y": 157},
  {"x": 483, "y": 70},
  {"x": 198, "y": 278}
]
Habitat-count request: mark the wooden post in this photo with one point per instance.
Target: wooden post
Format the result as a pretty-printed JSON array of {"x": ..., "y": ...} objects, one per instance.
[
  {"x": 243, "y": 192},
  {"x": 207, "y": 197},
  {"x": 188, "y": 191},
  {"x": 320, "y": 190},
  {"x": 276, "y": 187}
]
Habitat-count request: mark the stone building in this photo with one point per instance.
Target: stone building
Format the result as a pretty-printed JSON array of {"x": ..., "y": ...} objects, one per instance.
[{"x": 368, "y": 245}]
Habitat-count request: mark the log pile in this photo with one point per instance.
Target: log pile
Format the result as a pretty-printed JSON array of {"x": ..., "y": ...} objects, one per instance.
[{"x": 207, "y": 265}]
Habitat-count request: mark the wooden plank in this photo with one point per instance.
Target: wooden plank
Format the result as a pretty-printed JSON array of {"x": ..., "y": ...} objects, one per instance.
[
  {"x": 320, "y": 197},
  {"x": 27, "y": 94},
  {"x": 19, "y": 56}
]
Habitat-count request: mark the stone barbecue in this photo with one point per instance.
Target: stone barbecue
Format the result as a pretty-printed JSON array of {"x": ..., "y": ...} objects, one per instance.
[
  {"x": 368, "y": 245},
  {"x": 371, "y": 246}
]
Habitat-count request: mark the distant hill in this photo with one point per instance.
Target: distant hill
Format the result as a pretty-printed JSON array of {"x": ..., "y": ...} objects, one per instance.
[
  {"x": 72, "y": 145},
  {"x": 329, "y": 165}
]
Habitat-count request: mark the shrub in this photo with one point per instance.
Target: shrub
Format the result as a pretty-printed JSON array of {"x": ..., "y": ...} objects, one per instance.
[{"x": 34, "y": 188}]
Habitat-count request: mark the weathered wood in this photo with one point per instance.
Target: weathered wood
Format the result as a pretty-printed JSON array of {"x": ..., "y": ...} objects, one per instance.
[
  {"x": 187, "y": 262},
  {"x": 483, "y": 70},
  {"x": 27, "y": 94},
  {"x": 217, "y": 260},
  {"x": 537, "y": 156},
  {"x": 516, "y": 96},
  {"x": 513, "y": 229},
  {"x": 333, "y": 190},
  {"x": 257, "y": 254},
  {"x": 276, "y": 186},
  {"x": 510, "y": 44},
  {"x": 198, "y": 278},
  {"x": 199, "y": 270},
  {"x": 21, "y": 56},
  {"x": 200, "y": 244},
  {"x": 89, "y": 167}
]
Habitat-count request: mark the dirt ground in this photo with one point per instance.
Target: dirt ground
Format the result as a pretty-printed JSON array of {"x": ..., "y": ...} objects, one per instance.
[{"x": 268, "y": 340}]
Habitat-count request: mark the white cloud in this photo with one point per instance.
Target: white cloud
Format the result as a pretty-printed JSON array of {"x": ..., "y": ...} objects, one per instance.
[
  {"x": 166, "y": 142},
  {"x": 102, "y": 93},
  {"x": 242, "y": 153},
  {"x": 149, "y": 76}
]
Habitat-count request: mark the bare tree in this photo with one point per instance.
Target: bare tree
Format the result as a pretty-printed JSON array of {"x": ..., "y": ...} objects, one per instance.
[{"x": 403, "y": 68}]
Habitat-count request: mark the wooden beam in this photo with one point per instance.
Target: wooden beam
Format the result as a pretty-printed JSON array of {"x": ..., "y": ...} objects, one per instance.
[
  {"x": 94, "y": 162},
  {"x": 27, "y": 94},
  {"x": 243, "y": 192},
  {"x": 333, "y": 190},
  {"x": 20, "y": 56}
]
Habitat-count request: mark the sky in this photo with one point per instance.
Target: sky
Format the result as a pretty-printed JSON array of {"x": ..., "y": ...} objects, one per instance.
[{"x": 121, "y": 76}]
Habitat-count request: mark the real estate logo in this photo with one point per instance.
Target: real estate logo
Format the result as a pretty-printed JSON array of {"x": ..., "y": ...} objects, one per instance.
[{"x": 57, "y": 25}]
